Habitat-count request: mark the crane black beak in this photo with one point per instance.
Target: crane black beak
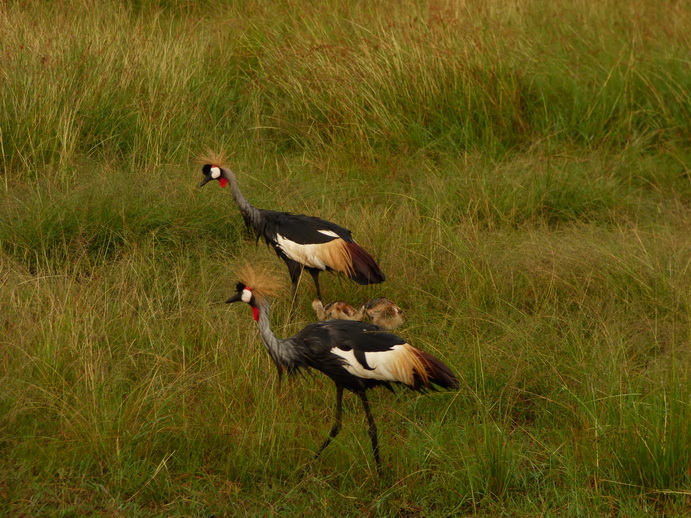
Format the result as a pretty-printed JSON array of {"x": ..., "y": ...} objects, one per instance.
[
  {"x": 206, "y": 180},
  {"x": 235, "y": 298}
]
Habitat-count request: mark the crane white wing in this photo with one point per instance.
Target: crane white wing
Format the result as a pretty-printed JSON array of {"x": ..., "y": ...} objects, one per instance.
[
  {"x": 333, "y": 254},
  {"x": 400, "y": 363}
]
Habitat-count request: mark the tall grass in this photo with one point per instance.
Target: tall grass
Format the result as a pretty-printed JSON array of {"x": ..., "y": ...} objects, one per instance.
[
  {"x": 520, "y": 170},
  {"x": 152, "y": 84},
  {"x": 127, "y": 389}
]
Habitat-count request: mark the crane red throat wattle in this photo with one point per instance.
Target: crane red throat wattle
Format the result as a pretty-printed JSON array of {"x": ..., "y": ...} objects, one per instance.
[
  {"x": 222, "y": 181},
  {"x": 255, "y": 313}
]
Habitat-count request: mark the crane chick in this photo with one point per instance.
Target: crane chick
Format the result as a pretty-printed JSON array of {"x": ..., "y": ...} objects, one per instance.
[
  {"x": 384, "y": 313},
  {"x": 337, "y": 310},
  {"x": 380, "y": 311}
]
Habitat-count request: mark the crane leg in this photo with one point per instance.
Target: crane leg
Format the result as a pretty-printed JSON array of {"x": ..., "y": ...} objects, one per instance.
[
  {"x": 293, "y": 291},
  {"x": 315, "y": 276},
  {"x": 295, "y": 270},
  {"x": 372, "y": 430},
  {"x": 337, "y": 424}
]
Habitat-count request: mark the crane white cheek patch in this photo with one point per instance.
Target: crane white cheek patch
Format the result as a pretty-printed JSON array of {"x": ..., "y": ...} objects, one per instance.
[
  {"x": 216, "y": 175},
  {"x": 246, "y": 298}
]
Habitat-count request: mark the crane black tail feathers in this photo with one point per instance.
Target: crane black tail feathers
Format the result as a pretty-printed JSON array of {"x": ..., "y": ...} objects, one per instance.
[
  {"x": 437, "y": 373},
  {"x": 365, "y": 269}
]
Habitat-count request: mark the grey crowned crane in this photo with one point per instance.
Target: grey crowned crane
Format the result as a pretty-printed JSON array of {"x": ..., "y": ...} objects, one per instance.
[
  {"x": 303, "y": 242},
  {"x": 381, "y": 311},
  {"x": 357, "y": 356}
]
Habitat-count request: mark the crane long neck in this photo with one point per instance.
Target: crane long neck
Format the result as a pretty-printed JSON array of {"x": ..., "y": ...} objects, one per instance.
[
  {"x": 249, "y": 212},
  {"x": 282, "y": 352}
]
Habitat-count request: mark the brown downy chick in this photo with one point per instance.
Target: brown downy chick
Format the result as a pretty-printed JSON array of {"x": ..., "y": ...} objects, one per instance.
[
  {"x": 384, "y": 313},
  {"x": 381, "y": 311},
  {"x": 337, "y": 311}
]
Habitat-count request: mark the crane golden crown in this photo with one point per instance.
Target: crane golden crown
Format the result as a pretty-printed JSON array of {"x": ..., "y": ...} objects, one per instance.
[
  {"x": 213, "y": 157},
  {"x": 261, "y": 280}
]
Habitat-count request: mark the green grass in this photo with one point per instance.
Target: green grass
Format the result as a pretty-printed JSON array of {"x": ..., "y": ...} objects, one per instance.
[
  {"x": 147, "y": 85},
  {"x": 520, "y": 171}
]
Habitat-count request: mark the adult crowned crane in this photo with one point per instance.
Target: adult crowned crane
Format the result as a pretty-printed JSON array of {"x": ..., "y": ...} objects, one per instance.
[
  {"x": 355, "y": 355},
  {"x": 301, "y": 241}
]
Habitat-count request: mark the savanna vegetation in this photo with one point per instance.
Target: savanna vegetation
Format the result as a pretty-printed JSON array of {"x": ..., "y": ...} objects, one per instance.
[{"x": 520, "y": 169}]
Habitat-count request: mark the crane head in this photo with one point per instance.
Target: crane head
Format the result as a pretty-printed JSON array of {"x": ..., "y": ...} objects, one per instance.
[
  {"x": 256, "y": 283},
  {"x": 244, "y": 294},
  {"x": 213, "y": 172}
]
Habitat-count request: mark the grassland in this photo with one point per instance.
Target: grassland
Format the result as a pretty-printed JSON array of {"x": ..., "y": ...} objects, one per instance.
[{"x": 520, "y": 170}]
